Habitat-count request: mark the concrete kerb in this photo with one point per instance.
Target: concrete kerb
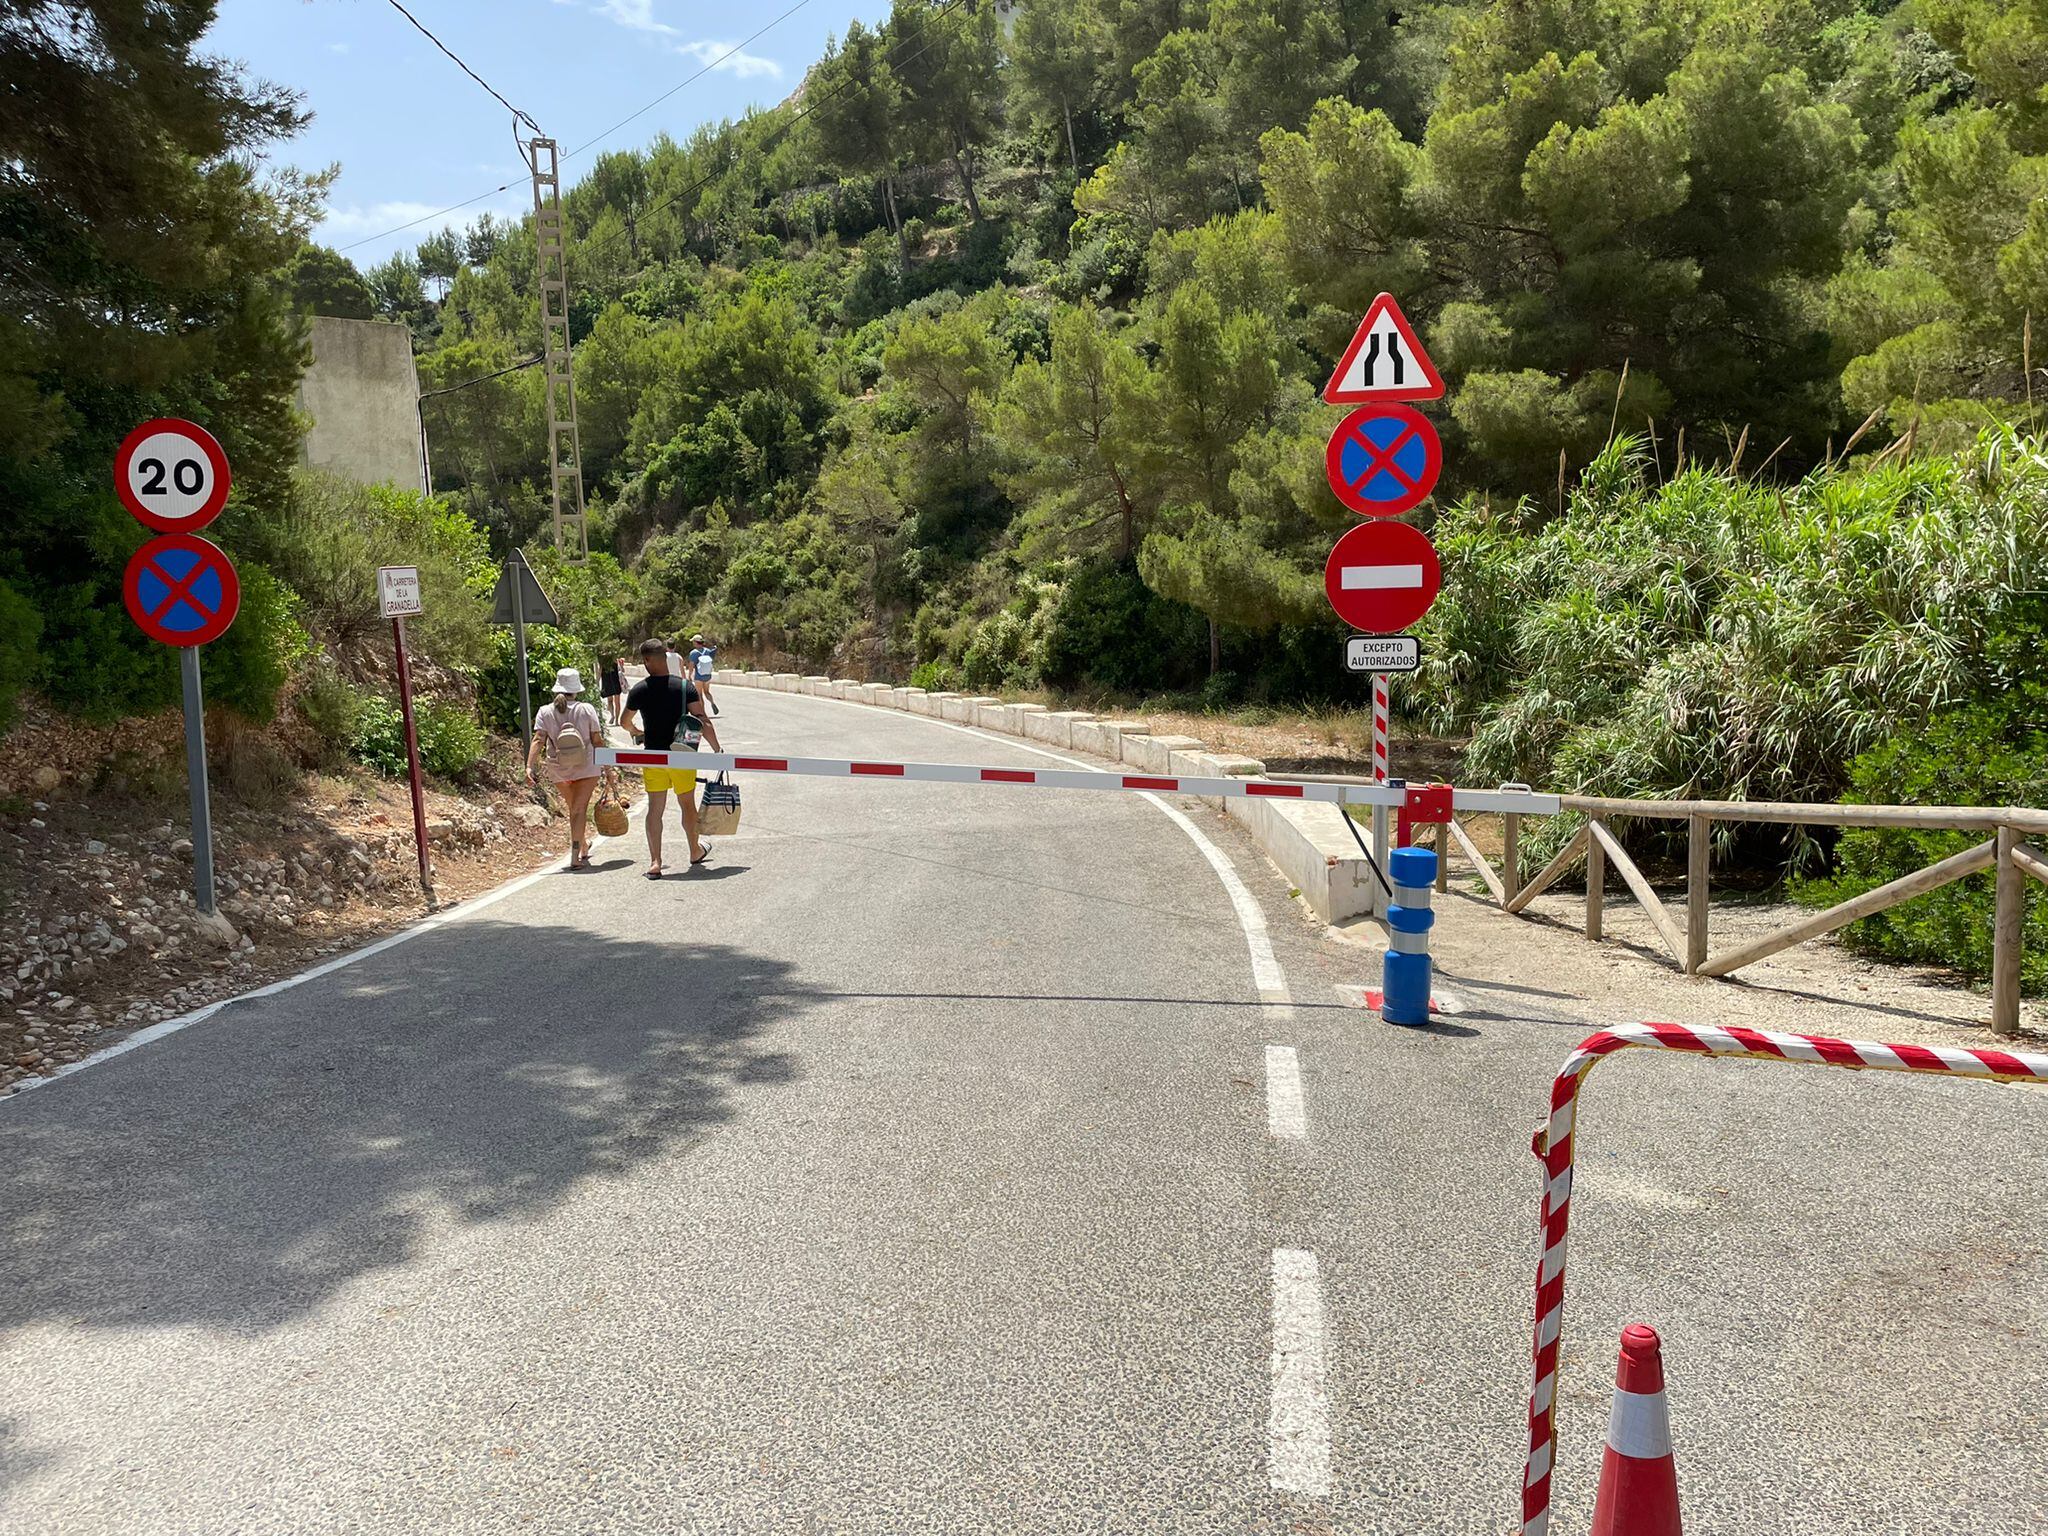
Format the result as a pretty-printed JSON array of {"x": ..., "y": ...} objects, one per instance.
[
  {"x": 1055, "y": 727},
  {"x": 1307, "y": 842},
  {"x": 963, "y": 709},
  {"x": 1105, "y": 737},
  {"x": 1154, "y": 754}
]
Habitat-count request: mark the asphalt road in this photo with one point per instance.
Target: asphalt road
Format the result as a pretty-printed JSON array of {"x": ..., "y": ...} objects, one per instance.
[{"x": 912, "y": 1168}]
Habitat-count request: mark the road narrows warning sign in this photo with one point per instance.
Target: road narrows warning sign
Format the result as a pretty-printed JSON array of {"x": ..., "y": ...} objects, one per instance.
[{"x": 1385, "y": 361}]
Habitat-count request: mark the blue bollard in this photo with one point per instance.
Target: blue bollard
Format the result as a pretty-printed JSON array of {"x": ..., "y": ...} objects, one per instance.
[{"x": 1405, "y": 982}]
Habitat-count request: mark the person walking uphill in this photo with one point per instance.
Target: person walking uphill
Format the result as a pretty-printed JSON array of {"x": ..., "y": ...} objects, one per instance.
[
  {"x": 702, "y": 656},
  {"x": 665, "y": 711},
  {"x": 571, "y": 732}
]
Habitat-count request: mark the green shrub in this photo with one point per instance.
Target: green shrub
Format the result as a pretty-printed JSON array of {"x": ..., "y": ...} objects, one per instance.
[
  {"x": 20, "y": 627},
  {"x": 377, "y": 738},
  {"x": 451, "y": 741},
  {"x": 548, "y": 650},
  {"x": 1715, "y": 637},
  {"x": 1110, "y": 631},
  {"x": 1985, "y": 754},
  {"x": 329, "y": 705},
  {"x": 326, "y": 540},
  {"x": 934, "y": 677}
]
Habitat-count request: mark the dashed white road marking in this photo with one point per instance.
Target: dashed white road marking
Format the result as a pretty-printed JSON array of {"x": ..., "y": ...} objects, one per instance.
[
  {"x": 1298, "y": 1425},
  {"x": 1285, "y": 1115}
]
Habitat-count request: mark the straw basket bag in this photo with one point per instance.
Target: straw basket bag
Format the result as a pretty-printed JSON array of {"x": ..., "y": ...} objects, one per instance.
[{"x": 609, "y": 814}]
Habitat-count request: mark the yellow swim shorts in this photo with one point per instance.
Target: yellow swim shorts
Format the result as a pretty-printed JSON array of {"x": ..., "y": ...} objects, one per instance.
[{"x": 682, "y": 780}]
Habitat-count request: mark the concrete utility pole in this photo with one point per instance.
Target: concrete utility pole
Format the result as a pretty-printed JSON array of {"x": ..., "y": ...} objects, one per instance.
[{"x": 565, "y": 454}]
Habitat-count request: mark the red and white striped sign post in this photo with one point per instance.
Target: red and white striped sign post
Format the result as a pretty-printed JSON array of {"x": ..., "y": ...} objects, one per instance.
[{"x": 1379, "y": 727}]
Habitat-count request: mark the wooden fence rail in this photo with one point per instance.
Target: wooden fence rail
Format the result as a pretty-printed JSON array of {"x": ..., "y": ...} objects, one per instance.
[{"x": 2004, "y": 850}]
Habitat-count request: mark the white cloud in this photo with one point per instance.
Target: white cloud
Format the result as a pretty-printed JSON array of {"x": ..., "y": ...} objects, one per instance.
[
  {"x": 358, "y": 220},
  {"x": 741, "y": 64},
  {"x": 364, "y": 218},
  {"x": 636, "y": 14},
  {"x": 337, "y": 47}
]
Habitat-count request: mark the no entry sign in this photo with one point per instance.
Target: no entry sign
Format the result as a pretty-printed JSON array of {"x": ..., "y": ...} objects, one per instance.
[
  {"x": 1383, "y": 460},
  {"x": 172, "y": 475},
  {"x": 1382, "y": 577},
  {"x": 181, "y": 590}
]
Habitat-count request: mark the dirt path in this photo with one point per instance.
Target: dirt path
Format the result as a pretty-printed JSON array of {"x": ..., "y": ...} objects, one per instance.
[{"x": 98, "y": 933}]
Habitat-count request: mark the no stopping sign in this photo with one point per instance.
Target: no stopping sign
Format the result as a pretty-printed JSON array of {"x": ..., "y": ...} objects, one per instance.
[{"x": 172, "y": 475}]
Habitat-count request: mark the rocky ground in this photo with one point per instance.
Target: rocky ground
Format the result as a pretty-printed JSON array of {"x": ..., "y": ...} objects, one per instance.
[{"x": 98, "y": 930}]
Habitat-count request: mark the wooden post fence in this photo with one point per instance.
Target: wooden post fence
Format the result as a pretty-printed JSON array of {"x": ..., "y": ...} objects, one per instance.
[{"x": 2005, "y": 851}]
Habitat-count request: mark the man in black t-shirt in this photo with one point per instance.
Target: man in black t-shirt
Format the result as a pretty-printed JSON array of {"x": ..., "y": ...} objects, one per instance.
[{"x": 663, "y": 714}]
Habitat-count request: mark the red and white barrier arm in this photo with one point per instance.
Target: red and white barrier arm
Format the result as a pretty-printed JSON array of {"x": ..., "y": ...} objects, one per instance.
[
  {"x": 1065, "y": 778},
  {"x": 1556, "y": 1145}
]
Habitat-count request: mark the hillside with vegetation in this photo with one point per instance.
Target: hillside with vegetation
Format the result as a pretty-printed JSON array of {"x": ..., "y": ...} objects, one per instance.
[{"x": 990, "y": 359}]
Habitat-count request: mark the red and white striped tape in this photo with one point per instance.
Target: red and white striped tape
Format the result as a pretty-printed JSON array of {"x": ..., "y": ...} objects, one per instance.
[
  {"x": 1064, "y": 778},
  {"x": 1381, "y": 712},
  {"x": 1555, "y": 1145}
]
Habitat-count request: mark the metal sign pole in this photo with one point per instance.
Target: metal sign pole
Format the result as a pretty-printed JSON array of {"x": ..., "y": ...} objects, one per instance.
[
  {"x": 412, "y": 757},
  {"x": 525, "y": 686},
  {"x": 195, "y": 776}
]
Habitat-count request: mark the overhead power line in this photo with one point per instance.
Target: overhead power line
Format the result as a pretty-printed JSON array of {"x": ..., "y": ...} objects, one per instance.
[
  {"x": 517, "y": 115},
  {"x": 425, "y": 218},
  {"x": 776, "y": 134},
  {"x": 441, "y": 213},
  {"x": 482, "y": 378},
  {"x": 664, "y": 96},
  {"x": 773, "y": 138}
]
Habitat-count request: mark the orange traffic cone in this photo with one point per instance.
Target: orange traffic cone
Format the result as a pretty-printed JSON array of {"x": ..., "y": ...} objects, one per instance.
[{"x": 1638, "y": 1480}]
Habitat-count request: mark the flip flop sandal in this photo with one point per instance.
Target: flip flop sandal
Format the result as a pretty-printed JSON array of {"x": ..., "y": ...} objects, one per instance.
[
  {"x": 654, "y": 874},
  {"x": 701, "y": 857}
]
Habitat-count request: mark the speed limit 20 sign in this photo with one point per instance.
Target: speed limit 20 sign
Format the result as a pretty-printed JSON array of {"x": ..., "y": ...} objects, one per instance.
[{"x": 172, "y": 475}]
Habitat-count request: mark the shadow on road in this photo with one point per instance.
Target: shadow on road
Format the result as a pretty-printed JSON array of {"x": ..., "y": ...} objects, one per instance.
[{"x": 242, "y": 1171}]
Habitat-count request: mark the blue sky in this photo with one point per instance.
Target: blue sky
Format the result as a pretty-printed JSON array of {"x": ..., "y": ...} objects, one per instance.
[{"x": 412, "y": 133}]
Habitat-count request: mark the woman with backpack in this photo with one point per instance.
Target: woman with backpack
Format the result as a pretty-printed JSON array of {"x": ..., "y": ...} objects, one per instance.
[{"x": 571, "y": 732}]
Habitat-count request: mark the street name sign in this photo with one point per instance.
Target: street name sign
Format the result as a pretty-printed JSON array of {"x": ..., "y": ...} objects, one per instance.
[
  {"x": 172, "y": 475},
  {"x": 1382, "y": 577},
  {"x": 1382, "y": 653},
  {"x": 1385, "y": 361},
  {"x": 398, "y": 591},
  {"x": 1383, "y": 460}
]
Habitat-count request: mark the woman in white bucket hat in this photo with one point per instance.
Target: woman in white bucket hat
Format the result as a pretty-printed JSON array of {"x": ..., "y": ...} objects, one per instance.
[{"x": 571, "y": 732}]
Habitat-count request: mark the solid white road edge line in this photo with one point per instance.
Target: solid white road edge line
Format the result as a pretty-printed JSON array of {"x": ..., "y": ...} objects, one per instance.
[
  {"x": 469, "y": 908},
  {"x": 1285, "y": 1115},
  {"x": 1298, "y": 1426},
  {"x": 1267, "y": 975}
]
